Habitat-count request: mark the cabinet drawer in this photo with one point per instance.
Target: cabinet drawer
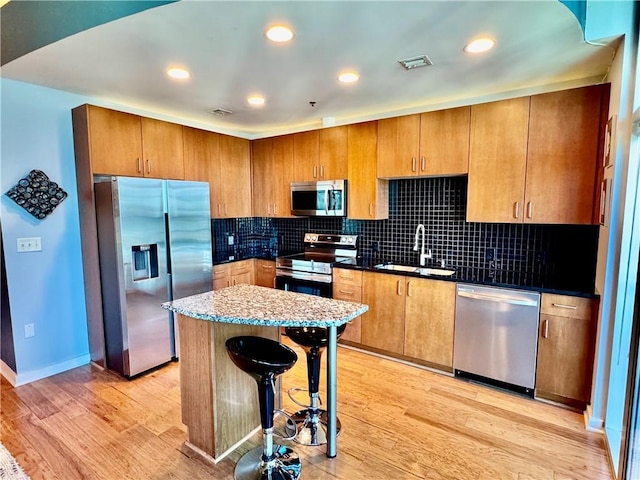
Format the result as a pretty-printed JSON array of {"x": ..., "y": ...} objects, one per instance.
[
  {"x": 219, "y": 270},
  {"x": 565, "y": 306},
  {"x": 347, "y": 277},
  {"x": 242, "y": 267},
  {"x": 349, "y": 293}
]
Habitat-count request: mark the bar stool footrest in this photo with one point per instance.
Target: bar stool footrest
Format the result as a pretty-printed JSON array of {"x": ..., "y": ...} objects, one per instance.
[
  {"x": 286, "y": 465},
  {"x": 310, "y": 427}
]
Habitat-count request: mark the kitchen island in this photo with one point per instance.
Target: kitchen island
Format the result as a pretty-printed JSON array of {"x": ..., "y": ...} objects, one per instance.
[{"x": 219, "y": 401}]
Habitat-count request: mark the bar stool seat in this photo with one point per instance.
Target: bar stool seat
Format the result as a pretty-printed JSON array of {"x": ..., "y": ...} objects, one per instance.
[
  {"x": 264, "y": 359},
  {"x": 310, "y": 423}
]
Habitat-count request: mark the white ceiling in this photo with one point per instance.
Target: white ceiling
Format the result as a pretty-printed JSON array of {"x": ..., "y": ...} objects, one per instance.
[{"x": 539, "y": 48}]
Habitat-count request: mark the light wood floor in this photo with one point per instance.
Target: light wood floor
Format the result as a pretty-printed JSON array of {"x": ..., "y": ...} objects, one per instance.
[{"x": 399, "y": 422}]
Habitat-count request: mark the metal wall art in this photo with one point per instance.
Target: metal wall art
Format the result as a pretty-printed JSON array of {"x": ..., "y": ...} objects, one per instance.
[{"x": 37, "y": 194}]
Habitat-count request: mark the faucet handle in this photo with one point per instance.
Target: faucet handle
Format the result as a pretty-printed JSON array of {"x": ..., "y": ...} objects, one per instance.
[{"x": 428, "y": 254}]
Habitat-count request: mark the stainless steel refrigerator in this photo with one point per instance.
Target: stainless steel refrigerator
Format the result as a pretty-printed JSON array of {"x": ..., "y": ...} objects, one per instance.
[{"x": 154, "y": 240}]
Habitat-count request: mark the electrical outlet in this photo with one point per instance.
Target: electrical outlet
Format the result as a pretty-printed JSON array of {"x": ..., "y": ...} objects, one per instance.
[
  {"x": 230, "y": 240},
  {"x": 32, "y": 244},
  {"x": 29, "y": 330}
]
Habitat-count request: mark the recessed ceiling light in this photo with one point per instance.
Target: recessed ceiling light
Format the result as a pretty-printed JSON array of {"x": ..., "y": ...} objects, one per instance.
[
  {"x": 179, "y": 73},
  {"x": 279, "y": 34},
  {"x": 480, "y": 45},
  {"x": 255, "y": 100},
  {"x": 348, "y": 77}
]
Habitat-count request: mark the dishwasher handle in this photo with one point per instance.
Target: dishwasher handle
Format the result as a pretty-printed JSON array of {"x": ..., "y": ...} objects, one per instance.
[{"x": 498, "y": 298}]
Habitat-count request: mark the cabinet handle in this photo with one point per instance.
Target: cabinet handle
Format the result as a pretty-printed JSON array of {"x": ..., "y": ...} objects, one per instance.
[
  {"x": 545, "y": 330},
  {"x": 267, "y": 267},
  {"x": 228, "y": 283},
  {"x": 348, "y": 292},
  {"x": 561, "y": 305},
  {"x": 315, "y": 171},
  {"x": 529, "y": 210},
  {"x": 399, "y": 290},
  {"x": 268, "y": 209},
  {"x": 321, "y": 171},
  {"x": 225, "y": 209},
  {"x": 234, "y": 281},
  {"x": 218, "y": 209},
  {"x": 371, "y": 209},
  {"x": 423, "y": 163},
  {"x": 413, "y": 164},
  {"x": 409, "y": 288},
  {"x": 139, "y": 165},
  {"x": 275, "y": 208},
  {"x": 516, "y": 210},
  {"x": 148, "y": 166}
]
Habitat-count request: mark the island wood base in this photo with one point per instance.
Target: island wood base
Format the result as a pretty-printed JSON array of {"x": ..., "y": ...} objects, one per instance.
[{"x": 219, "y": 401}]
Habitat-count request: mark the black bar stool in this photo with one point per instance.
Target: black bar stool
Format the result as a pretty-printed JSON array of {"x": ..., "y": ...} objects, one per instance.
[
  {"x": 265, "y": 359},
  {"x": 311, "y": 422}
]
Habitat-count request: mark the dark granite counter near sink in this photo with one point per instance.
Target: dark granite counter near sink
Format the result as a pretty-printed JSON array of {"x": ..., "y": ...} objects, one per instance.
[{"x": 478, "y": 276}]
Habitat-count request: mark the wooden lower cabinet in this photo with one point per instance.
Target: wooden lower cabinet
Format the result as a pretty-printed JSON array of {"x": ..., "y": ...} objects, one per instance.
[
  {"x": 566, "y": 346},
  {"x": 347, "y": 285},
  {"x": 235, "y": 273},
  {"x": 383, "y": 324},
  {"x": 265, "y": 273},
  {"x": 409, "y": 316},
  {"x": 428, "y": 321}
]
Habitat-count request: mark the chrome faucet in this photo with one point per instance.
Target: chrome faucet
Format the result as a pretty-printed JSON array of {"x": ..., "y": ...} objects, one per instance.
[{"x": 423, "y": 256}]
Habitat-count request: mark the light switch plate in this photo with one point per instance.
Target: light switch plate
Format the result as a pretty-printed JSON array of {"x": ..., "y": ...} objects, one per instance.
[
  {"x": 29, "y": 330},
  {"x": 31, "y": 244}
]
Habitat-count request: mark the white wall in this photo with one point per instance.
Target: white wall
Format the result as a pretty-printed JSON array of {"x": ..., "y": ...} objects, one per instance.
[{"x": 45, "y": 288}]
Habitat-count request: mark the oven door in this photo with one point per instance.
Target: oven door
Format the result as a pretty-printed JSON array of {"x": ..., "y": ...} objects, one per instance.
[{"x": 310, "y": 287}]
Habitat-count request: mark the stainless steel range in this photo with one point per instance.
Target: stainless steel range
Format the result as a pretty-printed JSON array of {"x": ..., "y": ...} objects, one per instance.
[{"x": 310, "y": 272}]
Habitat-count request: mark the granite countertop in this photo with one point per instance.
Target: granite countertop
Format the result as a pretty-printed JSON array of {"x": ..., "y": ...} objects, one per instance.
[{"x": 254, "y": 305}]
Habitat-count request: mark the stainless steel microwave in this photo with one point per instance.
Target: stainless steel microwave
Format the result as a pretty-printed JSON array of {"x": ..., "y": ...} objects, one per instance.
[{"x": 321, "y": 198}]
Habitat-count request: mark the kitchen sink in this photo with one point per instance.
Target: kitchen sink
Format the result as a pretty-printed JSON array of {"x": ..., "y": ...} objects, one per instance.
[{"x": 443, "y": 272}]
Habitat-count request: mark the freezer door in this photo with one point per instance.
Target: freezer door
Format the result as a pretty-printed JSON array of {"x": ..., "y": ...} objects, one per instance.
[
  {"x": 140, "y": 215},
  {"x": 190, "y": 253}
]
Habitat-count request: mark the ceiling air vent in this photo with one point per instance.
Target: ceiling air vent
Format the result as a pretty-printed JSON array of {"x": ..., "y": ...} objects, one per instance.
[
  {"x": 415, "y": 62},
  {"x": 220, "y": 112}
]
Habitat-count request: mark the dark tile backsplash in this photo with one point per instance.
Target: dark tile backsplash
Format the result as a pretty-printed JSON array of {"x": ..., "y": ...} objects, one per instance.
[{"x": 551, "y": 256}]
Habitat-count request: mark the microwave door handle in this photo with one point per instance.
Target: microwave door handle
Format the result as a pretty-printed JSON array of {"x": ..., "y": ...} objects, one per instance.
[{"x": 326, "y": 201}]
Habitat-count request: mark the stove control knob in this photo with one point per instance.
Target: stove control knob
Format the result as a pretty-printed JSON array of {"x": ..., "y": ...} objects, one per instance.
[
  {"x": 314, "y": 238},
  {"x": 307, "y": 238}
]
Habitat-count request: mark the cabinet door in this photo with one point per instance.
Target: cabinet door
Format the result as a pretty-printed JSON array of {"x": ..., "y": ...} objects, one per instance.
[
  {"x": 429, "y": 317},
  {"x": 201, "y": 152},
  {"x": 306, "y": 151},
  {"x": 263, "y": 185},
  {"x": 282, "y": 174},
  {"x": 162, "y": 148},
  {"x": 563, "y": 156},
  {"x": 368, "y": 196},
  {"x": 398, "y": 142},
  {"x": 444, "y": 141},
  {"x": 265, "y": 273},
  {"x": 235, "y": 176},
  {"x": 350, "y": 291},
  {"x": 333, "y": 153},
  {"x": 383, "y": 324},
  {"x": 115, "y": 142},
  {"x": 242, "y": 272},
  {"x": 497, "y": 161},
  {"x": 221, "y": 276},
  {"x": 565, "y": 357}
]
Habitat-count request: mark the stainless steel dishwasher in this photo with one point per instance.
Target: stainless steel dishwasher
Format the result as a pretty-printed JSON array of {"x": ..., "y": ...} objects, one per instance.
[{"x": 496, "y": 336}]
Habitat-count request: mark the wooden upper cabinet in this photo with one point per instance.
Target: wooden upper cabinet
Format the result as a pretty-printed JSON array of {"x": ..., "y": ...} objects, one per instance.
[
  {"x": 201, "y": 160},
  {"x": 368, "y": 196},
  {"x": 398, "y": 146},
  {"x": 263, "y": 185},
  {"x": 162, "y": 149},
  {"x": 333, "y": 153},
  {"x": 444, "y": 141},
  {"x": 306, "y": 154},
  {"x": 497, "y": 161},
  {"x": 320, "y": 154},
  {"x": 115, "y": 141},
  {"x": 234, "y": 179},
  {"x": 562, "y": 159},
  {"x": 282, "y": 171},
  {"x": 272, "y": 173}
]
